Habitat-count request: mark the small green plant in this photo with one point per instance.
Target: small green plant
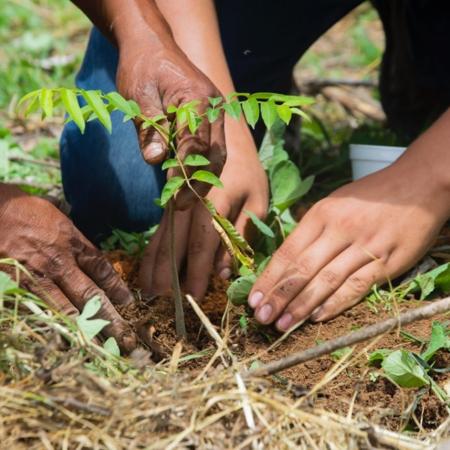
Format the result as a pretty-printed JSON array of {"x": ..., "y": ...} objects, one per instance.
[
  {"x": 409, "y": 369},
  {"x": 268, "y": 106},
  {"x": 286, "y": 187}
]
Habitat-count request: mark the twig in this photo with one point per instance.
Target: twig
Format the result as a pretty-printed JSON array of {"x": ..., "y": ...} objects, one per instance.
[
  {"x": 52, "y": 164},
  {"x": 319, "y": 84},
  {"x": 364, "y": 334}
]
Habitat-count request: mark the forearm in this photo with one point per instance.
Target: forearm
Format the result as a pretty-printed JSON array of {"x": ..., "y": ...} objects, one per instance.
[
  {"x": 431, "y": 152},
  {"x": 196, "y": 31},
  {"x": 128, "y": 22}
]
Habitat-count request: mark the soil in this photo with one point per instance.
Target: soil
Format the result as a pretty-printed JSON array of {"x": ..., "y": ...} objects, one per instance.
[{"x": 358, "y": 390}]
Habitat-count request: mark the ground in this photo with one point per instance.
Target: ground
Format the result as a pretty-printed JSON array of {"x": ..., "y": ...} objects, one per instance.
[{"x": 53, "y": 392}]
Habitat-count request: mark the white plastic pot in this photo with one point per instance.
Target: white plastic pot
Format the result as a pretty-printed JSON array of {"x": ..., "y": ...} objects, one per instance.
[{"x": 367, "y": 159}]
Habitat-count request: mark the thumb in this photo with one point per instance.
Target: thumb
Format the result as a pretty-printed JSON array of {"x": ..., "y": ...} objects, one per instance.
[{"x": 153, "y": 146}]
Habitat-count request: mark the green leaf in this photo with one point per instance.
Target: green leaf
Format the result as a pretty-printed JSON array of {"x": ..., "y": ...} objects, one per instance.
[
  {"x": 88, "y": 326},
  {"x": 212, "y": 114},
  {"x": 215, "y": 101},
  {"x": 110, "y": 345},
  {"x": 69, "y": 99},
  {"x": 46, "y": 102},
  {"x": 6, "y": 284},
  {"x": 236, "y": 244},
  {"x": 31, "y": 96},
  {"x": 240, "y": 288},
  {"x": 193, "y": 121},
  {"x": 233, "y": 109},
  {"x": 122, "y": 105},
  {"x": 284, "y": 182},
  {"x": 404, "y": 370},
  {"x": 427, "y": 283},
  {"x": 196, "y": 160},
  {"x": 207, "y": 177},
  {"x": 301, "y": 113},
  {"x": 269, "y": 113},
  {"x": 172, "y": 186},
  {"x": 379, "y": 355},
  {"x": 95, "y": 101},
  {"x": 284, "y": 113},
  {"x": 4, "y": 158},
  {"x": 340, "y": 353},
  {"x": 438, "y": 340},
  {"x": 265, "y": 229},
  {"x": 170, "y": 163},
  {"x": 251, "y": 111}
]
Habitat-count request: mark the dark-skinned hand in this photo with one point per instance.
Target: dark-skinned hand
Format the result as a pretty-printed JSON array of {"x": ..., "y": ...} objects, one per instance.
[
  {"x": 156, "y": 79},
  {"x": 67, "y": 269}
]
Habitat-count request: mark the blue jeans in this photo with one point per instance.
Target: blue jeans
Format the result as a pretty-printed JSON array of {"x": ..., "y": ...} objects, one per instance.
[{"x": 105, "y": 179}]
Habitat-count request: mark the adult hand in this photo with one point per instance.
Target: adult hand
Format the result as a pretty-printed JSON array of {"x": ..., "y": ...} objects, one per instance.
[
  {"x": 156, "y": 79},
  {"x": 198, "y": 246},
  {"x": 367, "y": 232},
  {"x": 67, "y": 269}
]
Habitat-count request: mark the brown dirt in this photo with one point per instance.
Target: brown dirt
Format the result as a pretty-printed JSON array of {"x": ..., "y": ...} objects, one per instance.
[{"x": 358, "y": 388}]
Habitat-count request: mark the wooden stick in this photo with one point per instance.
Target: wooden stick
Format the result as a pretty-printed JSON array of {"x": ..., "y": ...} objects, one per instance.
[{"x": 363, "y": 334}]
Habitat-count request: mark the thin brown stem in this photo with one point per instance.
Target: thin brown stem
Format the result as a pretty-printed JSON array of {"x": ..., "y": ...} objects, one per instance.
[
  {"x": 177, "y": 294},
  {"x": 364, "y": 334}
]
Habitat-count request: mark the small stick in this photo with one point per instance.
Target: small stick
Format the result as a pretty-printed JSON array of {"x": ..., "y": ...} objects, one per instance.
[
  {"x": 364, "y": 334},
  {"x": 178, "y": 297}
]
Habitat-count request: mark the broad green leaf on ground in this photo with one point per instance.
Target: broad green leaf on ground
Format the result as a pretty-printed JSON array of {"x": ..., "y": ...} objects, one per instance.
[
  {"x": 404, "y": 370},
  {"x": 88, "y": 326},
  {"x": 207, "y": 177},
  {"x": 379, "y": 355},
  {"x": 196, "y": 160},
  {"x": 70, "y": 101},
  {"x": 240, "y": 288},
  {"x": 172, "y": 186},
  {"x": 110, "y": 345},
  {"x": 438, "y": 340},
  {"x": 262, "y": 227},
  {"x": 435, "y": 279},
  {"x": 7, "y": 285}
]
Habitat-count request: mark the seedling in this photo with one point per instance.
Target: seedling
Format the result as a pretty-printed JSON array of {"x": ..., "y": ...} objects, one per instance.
[
  {"x": 99, "y": 106},
  {"x": 408, "y": 369}
]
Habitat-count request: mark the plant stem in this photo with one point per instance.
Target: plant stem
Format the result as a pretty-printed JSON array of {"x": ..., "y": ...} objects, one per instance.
[{"x": 177, "y": 295}]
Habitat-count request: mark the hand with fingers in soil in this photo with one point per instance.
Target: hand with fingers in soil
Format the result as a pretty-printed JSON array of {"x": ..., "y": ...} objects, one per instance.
[
  {"x": 365, "y": 233},
  {"x": 67, "y": 269}
]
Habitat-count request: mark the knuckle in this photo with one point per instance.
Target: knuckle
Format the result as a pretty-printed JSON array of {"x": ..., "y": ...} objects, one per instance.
[
  {"x": 56, "y": 266},
  {"x": 330, "y": 277},
  {"x": 88, "y": 292},
  {"x": 304, "y": 267},
  {"x": 103, "y": 270},
  {"x": 358, "y": 285}
]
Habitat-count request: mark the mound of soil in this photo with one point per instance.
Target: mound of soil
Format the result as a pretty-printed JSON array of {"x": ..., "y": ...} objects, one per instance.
[{"x": 357, "y": 389}]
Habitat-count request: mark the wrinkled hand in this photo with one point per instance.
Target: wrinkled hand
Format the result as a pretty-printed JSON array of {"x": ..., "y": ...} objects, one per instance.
[
  {"x": 67, "y": 269},
  {"x": 367, "y": 232},
  {"x": 157, "y": 79},
  {"x": 198, "y": 248}
]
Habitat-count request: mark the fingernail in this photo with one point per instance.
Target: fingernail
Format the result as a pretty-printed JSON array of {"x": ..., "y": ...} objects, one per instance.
[
  {"x": 284, "y": 322},
  {"x": 264, "y": 313},
  {"x": 225, "y": 274},
  {"x": 154, "y": 150},
  {"x": 255, "y": 299},
  {"x": 315, "y": 315}
]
